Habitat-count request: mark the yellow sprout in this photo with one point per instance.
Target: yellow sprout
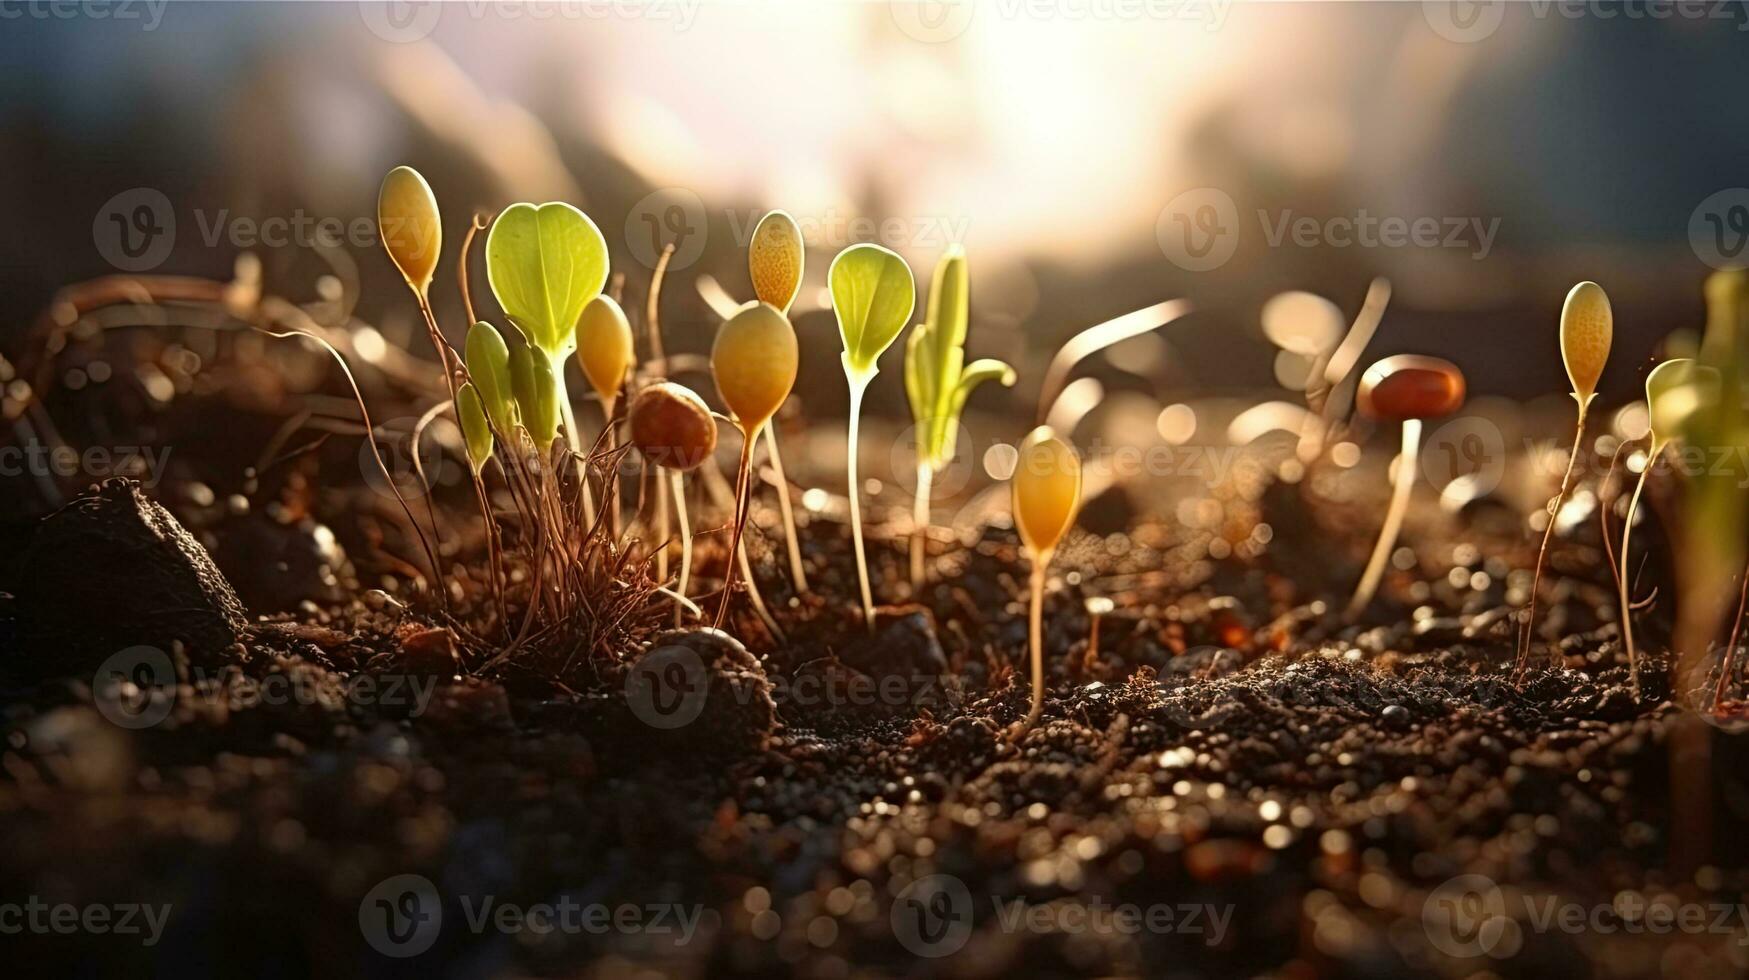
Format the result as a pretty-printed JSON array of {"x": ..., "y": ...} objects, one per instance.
[
  {"x": 476, "y": 433},
  {"x": 604, "y": 347},
  {"x": 1047, "y": 492},
  {"x": 410, "y": 226},
  {"x": 1587, "y": 327},
  {"x": 774, "y": 260},
  {"x": 754, "y": 363}
]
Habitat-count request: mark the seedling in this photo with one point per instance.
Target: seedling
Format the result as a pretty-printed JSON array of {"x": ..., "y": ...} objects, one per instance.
[
  {"x": 672, "y": 427},
  {"x": 1098, "y": 607},
  {"x": 604, "y": 352},
  {"x": 476, "y": 431},
  {"x": 1406, "y": 388},
  {"x": 537, "y": 393},
  {"x": 775, "y": 258},
  {"x": 1674, "y": 389},
  {"x": 488, "y": 359},
  {"x": 411, "y": 228},
  {"x": 1047, "y": 492},
  {"x": 873, "y": 295},
  {"x": 937, "y": 382},
  {"x": 1587, "y": 326},
  {"x": 545, "y": 264},
  {"x": 754, "y": 362}
]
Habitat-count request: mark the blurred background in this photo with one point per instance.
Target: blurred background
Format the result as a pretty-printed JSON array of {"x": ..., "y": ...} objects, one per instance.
[{"x": 1094, "y": 157}]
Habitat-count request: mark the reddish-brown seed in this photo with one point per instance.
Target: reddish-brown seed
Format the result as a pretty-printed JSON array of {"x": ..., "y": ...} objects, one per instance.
[
  {"x": 672, "y": 426},
  {"x": 1410, "y": 386}
]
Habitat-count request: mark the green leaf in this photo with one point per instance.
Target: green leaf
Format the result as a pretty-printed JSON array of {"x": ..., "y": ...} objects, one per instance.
[
  {"x": 934, "y": 354},
  {"x": 537, "y": 395},
  {"x": 873, "y": 295},
  {"x": 545, "y": 264},
  {"x": 475, "y": 432},
  {"x": 489, "y": 367}
]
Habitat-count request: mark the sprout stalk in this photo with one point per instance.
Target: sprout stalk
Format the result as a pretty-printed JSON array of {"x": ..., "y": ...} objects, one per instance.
[
  {"x": 678, "y": 491},
  {"x": 857, "y": 387},
  {"x": 920, "y": 527},
  {"x": 1542, "y": 553},
  {"x": 1403, "y": 481},
  {"x": 1627, "y": 616},
  {"x": 796, "y": 571}
]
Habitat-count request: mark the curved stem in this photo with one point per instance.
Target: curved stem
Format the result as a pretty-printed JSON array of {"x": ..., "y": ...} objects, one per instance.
[
  {"x": 678, "y": 490},
  {"x": 1035, "y": 641},
  {"x": 920, "y": 528},
  {"x": 857, "y": 386},
  {"x": 611, "y": 491},
  {"x": 1627, "y": 616},
  {"x": 1542, "y": 554},
  {"x": 797, "y": 573},
  {"x": 740, "y": 519},
  {"x": 1402, "y": 481}
]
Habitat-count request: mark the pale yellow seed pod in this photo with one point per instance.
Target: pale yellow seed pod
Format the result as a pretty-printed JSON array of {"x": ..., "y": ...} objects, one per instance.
[
  {"x": 604, "y": 346},
  {"x": 1587, "y": 327},
  {"x": 754, "y": 362},
  {"x": 774, "y": 260},
  {"x": 1047, "y": 490},
  {"x": 410, "y": 226}
]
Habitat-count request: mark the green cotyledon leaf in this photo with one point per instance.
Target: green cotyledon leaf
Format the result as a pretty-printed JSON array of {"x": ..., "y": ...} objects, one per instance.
[
  {"x": 545, "y": 264},
  {"x": 873, "y": 296}
]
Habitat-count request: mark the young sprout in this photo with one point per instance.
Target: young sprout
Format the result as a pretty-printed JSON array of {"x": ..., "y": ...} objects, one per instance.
[
  {"x": 873, "y": 295},
  {"x": 1047, "y": 492},
  {"x": 488, "y": 359},
  {"x": 1098, "y": 607},
  {"x": 673, "y": 428},
  {"x": 411, "y": 228},
  {"x": 537, "y": 393},
  {"x": 754, "y": 362},
  {"x": 937, "y": 382},
  {"x": 1587, "y": 327},
  {"x": 545, "y": 264},
  {"x": 604, "y": 352},
  {"x": 476, "y": 432},
  {"x": 774, "y": 263},
  {"x": 1674, "y": 390},
  {"x": 1406, "y": 388}
]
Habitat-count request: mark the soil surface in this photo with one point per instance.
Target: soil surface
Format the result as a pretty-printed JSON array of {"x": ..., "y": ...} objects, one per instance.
[{"x": 311, "y": 767}]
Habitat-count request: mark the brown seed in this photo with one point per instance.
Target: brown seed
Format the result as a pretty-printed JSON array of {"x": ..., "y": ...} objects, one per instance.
[
  {"x": 672, "y": 426},
  {"x": 1410, "y": 386}
]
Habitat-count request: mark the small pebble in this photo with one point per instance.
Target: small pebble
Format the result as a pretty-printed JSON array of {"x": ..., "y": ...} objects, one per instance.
[{"x": 1396, "y": 716}]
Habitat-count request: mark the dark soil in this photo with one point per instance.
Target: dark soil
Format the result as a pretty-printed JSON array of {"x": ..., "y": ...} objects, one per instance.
[
  {"x": 1295, "y": 795},
  {"x": 1231, "y": 746}
]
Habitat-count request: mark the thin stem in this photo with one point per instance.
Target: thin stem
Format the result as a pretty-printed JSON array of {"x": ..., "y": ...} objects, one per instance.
[
  {"x": 1728, "y": 670},
  {"x": 574, "y": 441},
  {"x": 740, "y": 522},
  {"x": 1035, "y": 641},
  {"x": 492, "y": 555},
  {"x": 1543, "y": 553},
  {"x": 1627, "y": 615},
  {"x": 662, "y": 494},
  {"x": 607, "y": 405},
  {"x": 920, "y": 528},
  {"x": 857, "y": 387},
  {"x": 1403, "y": 480},
  {"x": 753, "y": 596},
  {"x": 678, "y": 491},
  {"x": 797, "y": 573}
]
